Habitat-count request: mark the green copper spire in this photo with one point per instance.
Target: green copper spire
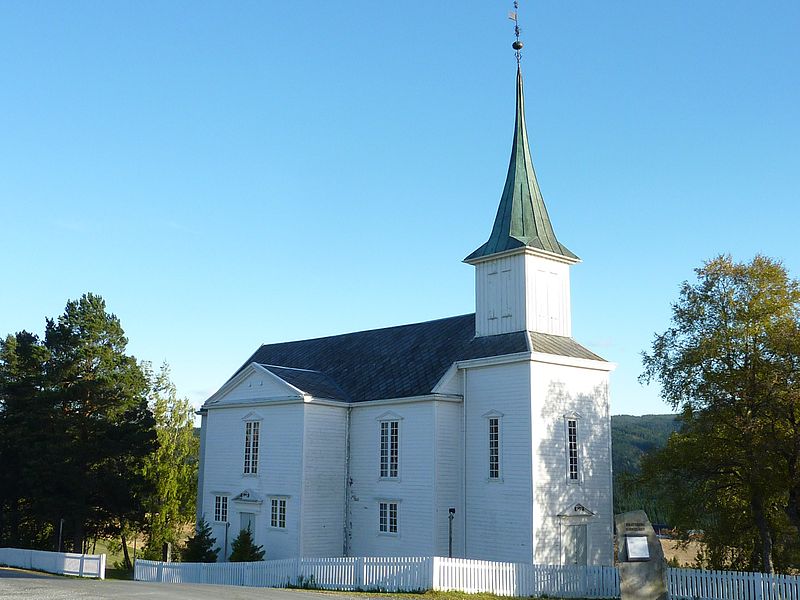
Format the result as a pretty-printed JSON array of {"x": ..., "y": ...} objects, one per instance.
[{"x": 522, "y": 218}]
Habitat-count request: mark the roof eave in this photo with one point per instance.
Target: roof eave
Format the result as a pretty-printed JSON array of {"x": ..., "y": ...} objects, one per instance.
[{"x": 570, "y": 260}]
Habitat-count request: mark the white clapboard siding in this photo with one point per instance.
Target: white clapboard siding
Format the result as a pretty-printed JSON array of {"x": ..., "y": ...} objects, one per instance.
[
  {"x": 560, "y": 392},
  {"x": 323, "y": 505},
  {"x": 412, "y": 490},
  {"x": 497, "y": 519},
  {"x": 519, "y": 292},
  {"x": 60, "y": 563}
]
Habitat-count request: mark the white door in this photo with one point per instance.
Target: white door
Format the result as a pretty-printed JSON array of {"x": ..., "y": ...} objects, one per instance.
[
  {"x": 575, "y": 545},
  {"x": 247, "y": 521}
]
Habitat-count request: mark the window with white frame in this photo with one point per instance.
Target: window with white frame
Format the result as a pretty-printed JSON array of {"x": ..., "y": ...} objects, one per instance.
[
  {"x": 573, "y": 471},
  {"x": 221, "y": 509},
  {"x": 494, "y": 447},
  {"x": 387, "y": 517},
  {"x": 390, "y": 448},
  {"x": 251, "y": 438},
  {"x": 278, "y": 513}
]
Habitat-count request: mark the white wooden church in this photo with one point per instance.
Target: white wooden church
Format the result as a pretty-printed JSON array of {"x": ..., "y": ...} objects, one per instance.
[{"x": 492, "y": 427}]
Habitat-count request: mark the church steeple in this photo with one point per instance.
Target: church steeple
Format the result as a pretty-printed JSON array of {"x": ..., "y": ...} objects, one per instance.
[
  {"x": 522, "y": 271},
  {"x": 522, "y": 219}
]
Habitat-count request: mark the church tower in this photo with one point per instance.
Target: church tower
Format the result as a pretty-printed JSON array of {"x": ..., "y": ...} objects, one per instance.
[{"x": 522, "y": 271}]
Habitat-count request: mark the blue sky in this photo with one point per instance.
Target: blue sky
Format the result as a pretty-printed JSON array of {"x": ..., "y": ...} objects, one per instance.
[{"x": 227, "y": 174}]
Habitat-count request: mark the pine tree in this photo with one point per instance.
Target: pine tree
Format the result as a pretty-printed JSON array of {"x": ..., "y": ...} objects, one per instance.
[
  {"x": 244, "y": 549},
  {"x": 198, "y": 547},
  {"x": 76, "y": 403}
]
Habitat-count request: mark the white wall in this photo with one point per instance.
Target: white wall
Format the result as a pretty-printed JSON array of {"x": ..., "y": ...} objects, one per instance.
[
  {"x": 280, "y": 466},
  {"x": 547, "y": 307},
  {"x": 448, "y": 477},
  {"x": 500, "y": 295},
  {"x": 413, "y": 489},
  {"x": 325, "y": 435},
  {"x": 557, "y": 391},
  {"x": 254, "y": 384},
  {"x": 522, "y": 292},
  {"x": 498, "y": 512}
]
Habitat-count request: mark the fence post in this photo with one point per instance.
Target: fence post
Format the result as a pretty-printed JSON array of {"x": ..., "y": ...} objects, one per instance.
[
  {"x": 434, "y": 579},
  {"x": 102, "y": 573},
  {"x": 359, "y": 573}
]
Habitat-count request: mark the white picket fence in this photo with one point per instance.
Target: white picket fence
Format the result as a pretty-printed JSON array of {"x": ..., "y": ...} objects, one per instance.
[
  {"x": 394, "y": 574},
  {"x": 60, "y": 563},
  {"x": 688, "y": 584},
  {"x": 524, "y": 579},
  {"x": 347, "y": 573}
]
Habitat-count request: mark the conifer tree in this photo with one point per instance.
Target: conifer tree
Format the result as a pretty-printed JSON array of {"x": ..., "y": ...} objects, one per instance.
[
  {"x": 199, "y": 546},
  {"x": 244, "y": 549},
  {"x": 75, "y": 429}
]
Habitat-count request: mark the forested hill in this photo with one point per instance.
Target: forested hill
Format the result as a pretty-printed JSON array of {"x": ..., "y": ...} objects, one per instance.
[{"x": 631, "y": 437}]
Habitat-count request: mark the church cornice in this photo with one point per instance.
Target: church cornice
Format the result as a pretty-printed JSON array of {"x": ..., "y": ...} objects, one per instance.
[{"x": 527, "y": 250}]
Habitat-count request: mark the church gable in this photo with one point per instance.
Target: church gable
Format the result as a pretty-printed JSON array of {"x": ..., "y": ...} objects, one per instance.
[{"x": 254, "y": 384}]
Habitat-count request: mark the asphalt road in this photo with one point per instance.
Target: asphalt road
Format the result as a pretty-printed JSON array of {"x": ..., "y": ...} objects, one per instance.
[{"x": 18, "y": 584}]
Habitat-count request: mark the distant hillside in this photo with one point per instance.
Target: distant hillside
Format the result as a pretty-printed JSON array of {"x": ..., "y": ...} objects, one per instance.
[{"x": 631, "y": 437}]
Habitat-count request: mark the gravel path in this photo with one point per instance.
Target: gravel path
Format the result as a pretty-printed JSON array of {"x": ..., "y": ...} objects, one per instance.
[{"x": 17, "y": 584}]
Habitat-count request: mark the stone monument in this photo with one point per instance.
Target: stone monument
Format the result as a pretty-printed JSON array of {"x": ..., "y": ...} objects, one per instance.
[{"x": 642, "y": 569}]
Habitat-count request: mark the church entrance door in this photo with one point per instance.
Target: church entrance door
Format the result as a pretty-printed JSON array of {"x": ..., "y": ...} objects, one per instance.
[{"x": 575, "y": 545}]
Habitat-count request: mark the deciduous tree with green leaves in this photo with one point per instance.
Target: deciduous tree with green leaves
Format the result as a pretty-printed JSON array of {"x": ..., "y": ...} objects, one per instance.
[
  {"x": 172, "y": 467},
  {"x": 729, "y": 363}
]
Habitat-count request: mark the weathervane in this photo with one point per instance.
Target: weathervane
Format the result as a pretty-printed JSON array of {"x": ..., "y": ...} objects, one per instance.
[{"x": 517, "y": 45}]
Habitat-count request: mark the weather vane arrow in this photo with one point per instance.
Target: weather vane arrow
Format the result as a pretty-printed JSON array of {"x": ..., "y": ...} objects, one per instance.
[{"x": 517, "y": 45}]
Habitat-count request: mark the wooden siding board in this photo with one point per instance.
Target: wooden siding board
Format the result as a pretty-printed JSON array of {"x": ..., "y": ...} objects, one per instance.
[
  {"x": 558, "y": 391},
  {"x": 256, "y": 388},
  {"x": 448, "y": 481},
  {"x": 498, "y": 517},
  {"x": 522, "y": 292},
  {"x": 325, "y": 434},
  {"x": 280, "y": 462},
  {"x": 413, "y": 489}
]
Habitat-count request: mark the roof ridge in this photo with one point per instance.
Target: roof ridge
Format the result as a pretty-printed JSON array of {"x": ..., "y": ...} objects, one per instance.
[{"x": 339, "y": 335}]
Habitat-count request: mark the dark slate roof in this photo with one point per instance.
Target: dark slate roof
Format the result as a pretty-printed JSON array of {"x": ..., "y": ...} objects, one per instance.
[
  {"x": 522, "y": 218},
  {"x": 561, "y": 346},
  {"x": 396, "y": 362},
  {"x": 315, "y": 383}
]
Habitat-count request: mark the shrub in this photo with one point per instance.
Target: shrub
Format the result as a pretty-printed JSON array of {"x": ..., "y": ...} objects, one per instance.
[
  {"x": 198, "y": 547},
  {"x": 244, "y": 549}
]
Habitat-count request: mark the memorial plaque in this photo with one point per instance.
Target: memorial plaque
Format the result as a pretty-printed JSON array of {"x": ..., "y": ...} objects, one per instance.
[
  {"x": 642, "y": 569},
  {"x": 636, "y": 546}
]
